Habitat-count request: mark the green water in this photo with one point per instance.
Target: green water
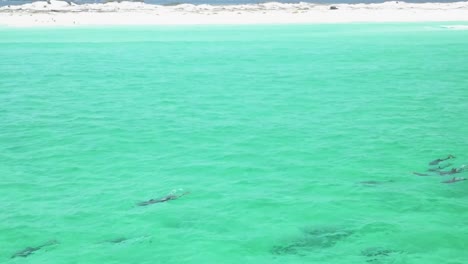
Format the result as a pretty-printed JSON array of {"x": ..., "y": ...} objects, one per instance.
[{"x": 271, "y": 129}]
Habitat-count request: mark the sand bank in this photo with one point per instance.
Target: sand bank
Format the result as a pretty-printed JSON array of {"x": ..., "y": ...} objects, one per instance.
[{"x": 60, "y": 13}]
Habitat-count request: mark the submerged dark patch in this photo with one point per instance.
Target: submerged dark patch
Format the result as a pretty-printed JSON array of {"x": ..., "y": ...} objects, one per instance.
[
  {"x": 378, "y": 254},
  {"x": 311, "y": 239},
  {"x": 117, "y": 240},
  {"x": 31, "y": 250}
]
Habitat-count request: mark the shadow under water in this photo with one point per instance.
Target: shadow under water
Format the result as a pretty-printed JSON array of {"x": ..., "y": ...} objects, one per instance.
[
  {"x": 31, "y": 250},
  {"x": 312, "y": 239},
  {"x": 124, "y": 239}
]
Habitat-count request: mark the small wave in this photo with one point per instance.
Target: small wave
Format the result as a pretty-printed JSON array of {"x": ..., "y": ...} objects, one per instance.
[{"x": 456, "y": 27}]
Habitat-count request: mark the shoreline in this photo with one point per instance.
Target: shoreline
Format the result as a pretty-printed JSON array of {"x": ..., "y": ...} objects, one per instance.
[{"x": 61, "y": 13}]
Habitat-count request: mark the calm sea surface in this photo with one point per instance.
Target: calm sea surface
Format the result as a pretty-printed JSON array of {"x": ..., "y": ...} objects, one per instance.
[{"x": 297, "y": 144}]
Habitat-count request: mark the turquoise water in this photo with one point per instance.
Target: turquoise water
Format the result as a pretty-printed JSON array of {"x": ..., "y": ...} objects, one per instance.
[{"x": 272, "y": 130}]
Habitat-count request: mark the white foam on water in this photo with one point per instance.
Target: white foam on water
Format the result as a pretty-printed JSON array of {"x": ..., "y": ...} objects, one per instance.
[{"x": 456, "y": 27}]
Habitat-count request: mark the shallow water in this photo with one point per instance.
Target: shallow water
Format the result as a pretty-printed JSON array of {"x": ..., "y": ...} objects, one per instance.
[{"x": 272, "y": 130}]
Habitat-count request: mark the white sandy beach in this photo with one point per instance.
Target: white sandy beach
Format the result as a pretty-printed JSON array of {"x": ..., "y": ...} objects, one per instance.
[{"x": 60, "y": 13}]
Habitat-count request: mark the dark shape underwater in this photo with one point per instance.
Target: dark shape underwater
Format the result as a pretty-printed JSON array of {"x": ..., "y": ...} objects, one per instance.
[
  {"x": 377, "y": 254},
  {"x": 162, "y": 200},
  {"x": 30, "y": 250},
  {"x": 437, "y": 161},
  {"x": 312, "y": 239},
  {"x": 454, "y": 179}
]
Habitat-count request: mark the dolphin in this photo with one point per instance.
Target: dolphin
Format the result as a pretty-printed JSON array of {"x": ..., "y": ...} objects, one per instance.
[
  {"x": 453, "y": 171},
  {"x": 126, "y": 239},
  {"x": 439, "y": 168},
  {"x": 369, "y": 182},
  {"x": 420, "y": 174},
  {"x": 437, "y": 161},
  {"x": 454, "y": 179},
  {"x": 374, "y": 182},
  {"x": 450, "y": 172},
  {"x": 30, "y": 250},
  {"x": 162, "y": 200},
  {"x": 117, "y": 240}
]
